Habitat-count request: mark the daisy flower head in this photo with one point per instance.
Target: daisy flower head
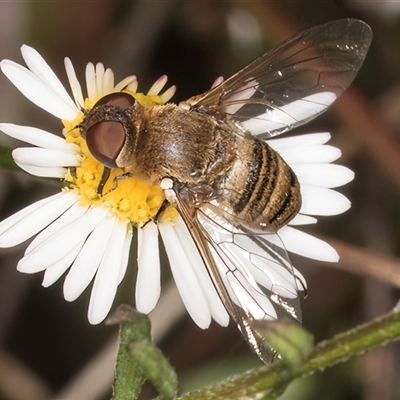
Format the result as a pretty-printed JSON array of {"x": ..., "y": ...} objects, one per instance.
[
  {"x": 80, "y": 231},
  {"x": 86, "y": 234}
]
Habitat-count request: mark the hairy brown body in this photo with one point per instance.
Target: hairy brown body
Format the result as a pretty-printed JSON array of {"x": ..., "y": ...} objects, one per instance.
[{"x": 248, "y": 179}]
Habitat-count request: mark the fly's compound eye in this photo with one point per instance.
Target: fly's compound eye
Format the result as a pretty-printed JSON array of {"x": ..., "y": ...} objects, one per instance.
[
  {"x": 121, "y": 100},
  {"x": 105, "y": 141},
  {"x": 105, "y": 138}
]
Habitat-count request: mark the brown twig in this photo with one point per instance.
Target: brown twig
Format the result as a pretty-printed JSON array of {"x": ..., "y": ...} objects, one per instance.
[{"x": 365, "y": 262}]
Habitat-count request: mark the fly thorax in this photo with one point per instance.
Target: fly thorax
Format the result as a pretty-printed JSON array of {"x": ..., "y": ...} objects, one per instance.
[{"x": 176, "y": 142}]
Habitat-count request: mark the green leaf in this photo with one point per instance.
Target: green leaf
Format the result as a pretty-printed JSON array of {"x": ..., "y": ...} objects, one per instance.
[
  {"x": 156, "y": 368},
  {"x": 291, "y": 342}
]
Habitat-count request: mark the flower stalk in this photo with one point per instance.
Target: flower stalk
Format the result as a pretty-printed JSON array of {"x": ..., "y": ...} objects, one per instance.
[
  {"x": 269, "y": 382},
  {"x": 138, "y": 359}
]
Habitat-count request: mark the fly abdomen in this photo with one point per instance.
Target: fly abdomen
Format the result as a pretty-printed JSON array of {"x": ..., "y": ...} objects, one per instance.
[{"x": 264, "y": 190}]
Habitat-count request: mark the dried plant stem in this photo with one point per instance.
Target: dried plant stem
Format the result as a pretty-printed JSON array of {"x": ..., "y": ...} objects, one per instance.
[
  {"x": 368, "y": 127},
  {"x": 365, "y": 262}
]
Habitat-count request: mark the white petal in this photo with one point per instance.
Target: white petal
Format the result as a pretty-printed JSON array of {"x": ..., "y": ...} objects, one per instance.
[
  {"x": 32, "y": 219},
  {"x": 99, "y": 79},
  {"x": 273, "y": 277},
  {"x": 322, "y": 201},
  {"x": 242, "y": 288},
  {"x": 55, "y": 271},
  {"x": 262, "y": 265},
  {"x": 323, "y": 175},
  {"x": 106, "y": 280},
  {"x": 306, "y": 245},
  {"x": 88, "y": 260},
  {"x": 158, "y": 85},
  {"x": 236, "y": 266},
  {"x": 168, "y": 94},
  {"x": 74, "y": 83},
  {"x": 310, "y": 105},
  {"x": 41, "y": 69},
  {"x": 185, "y": 278},
  {"x": 38, "y": 137},
  {"x": 22, "y": 214},
  {"x": 91, "y": 81},
  {"x": 294, "y": 142},
  {"x": 217, "y": 309},
  {"x": 310, "y": 154},
  {"x": 132, "y": 86},
  {"x": 108, "y": 81},
  {"x": 129, "y": 80},
  {"x": 148, "y": 284},
  {"x": 37, "y": 91},
  {"x": 301, "y": 219},
  {"x": 245, "y": 93},
  {"x": 68, "y": 218},
  {"x": 39, "y": 157},
  {"x": 290, "y": 114},
  {"x": 217, "y": 82},
  {"x": 53, "y": 172},
  {"x": 57, "y": 246},
  {"x": 251, "y": 298},
  {"x": 125, "y": 255}
]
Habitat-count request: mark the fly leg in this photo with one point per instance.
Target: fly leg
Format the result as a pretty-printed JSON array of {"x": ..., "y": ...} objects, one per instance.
[{"x": 104, "y": 179}]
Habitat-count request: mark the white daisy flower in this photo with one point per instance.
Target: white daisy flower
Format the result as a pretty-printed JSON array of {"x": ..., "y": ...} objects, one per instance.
[{"x": 87, "y": 235}]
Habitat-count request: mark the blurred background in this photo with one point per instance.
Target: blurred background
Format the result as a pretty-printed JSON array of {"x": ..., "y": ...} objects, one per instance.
[{"x": 48, "y": 350}]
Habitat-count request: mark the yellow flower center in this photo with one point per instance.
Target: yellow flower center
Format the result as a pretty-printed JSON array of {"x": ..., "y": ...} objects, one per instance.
[{"x": 133, "y": 200}]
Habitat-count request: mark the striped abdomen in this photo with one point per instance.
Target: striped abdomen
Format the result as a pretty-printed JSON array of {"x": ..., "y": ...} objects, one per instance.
[{"x": 261, "y": 188}]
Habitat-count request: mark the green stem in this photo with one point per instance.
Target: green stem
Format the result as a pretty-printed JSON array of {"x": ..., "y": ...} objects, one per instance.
[
  {"x": 138, "y": 359},
  {"x": 355, "y": 342},
  {"x": 129, "y": 377},
  {"x": 268, "y": 382}
]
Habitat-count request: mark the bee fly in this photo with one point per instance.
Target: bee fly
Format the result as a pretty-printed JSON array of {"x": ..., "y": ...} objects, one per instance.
[{"x": 208, "y": 154}]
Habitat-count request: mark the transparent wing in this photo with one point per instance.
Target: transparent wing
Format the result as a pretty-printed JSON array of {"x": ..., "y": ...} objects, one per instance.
[
  {"x": 253, "y": 277},
  {"x": 294, "y": 82}
]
